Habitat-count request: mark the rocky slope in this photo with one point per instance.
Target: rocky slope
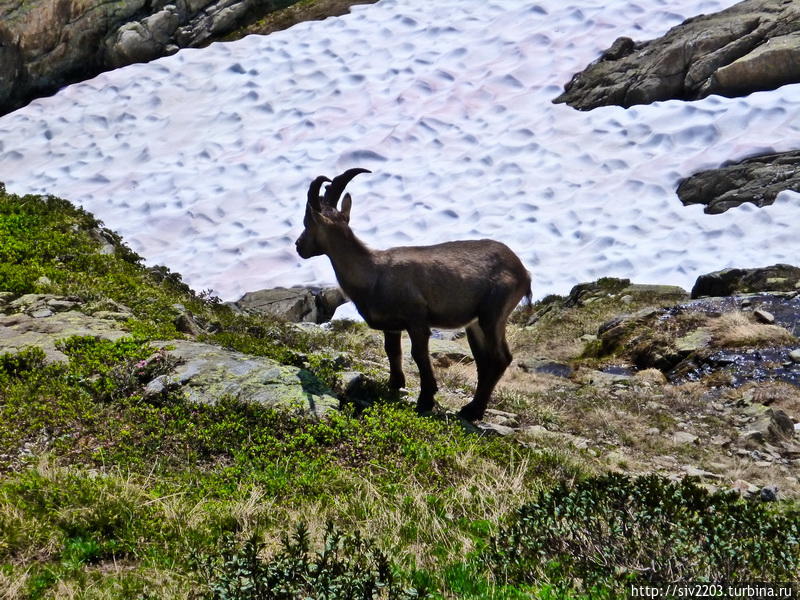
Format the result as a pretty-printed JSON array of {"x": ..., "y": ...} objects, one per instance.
[
  {"x": 45, "y": 45},
  {"x": 754, "y": 45}
]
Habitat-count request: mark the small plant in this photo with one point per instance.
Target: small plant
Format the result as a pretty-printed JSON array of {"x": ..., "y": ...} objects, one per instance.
[
  {"x": 113, "y": 370},
  {"x": 348, "y": 566}
]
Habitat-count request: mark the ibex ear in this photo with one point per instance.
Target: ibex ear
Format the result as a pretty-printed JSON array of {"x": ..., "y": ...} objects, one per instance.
[{"x": 347, "y": 204}]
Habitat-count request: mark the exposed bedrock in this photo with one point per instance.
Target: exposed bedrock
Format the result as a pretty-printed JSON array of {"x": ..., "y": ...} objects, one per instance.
[
  {"x": 758, "y": 179},
  {"x": 46, "y": 44},
  {"x": 751, "y": 46}
]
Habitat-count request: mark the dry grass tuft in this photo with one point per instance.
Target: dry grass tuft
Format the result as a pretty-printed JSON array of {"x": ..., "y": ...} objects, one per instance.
[
  {"x": 737, "y": 329},
  {"x": 13, "y": 585}
]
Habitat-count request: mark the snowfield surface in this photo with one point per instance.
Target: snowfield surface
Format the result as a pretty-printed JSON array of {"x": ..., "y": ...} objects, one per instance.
[{"x": 202, "y": 160}]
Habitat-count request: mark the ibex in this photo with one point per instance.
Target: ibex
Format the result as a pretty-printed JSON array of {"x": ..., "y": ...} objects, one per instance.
[{"x": 473, "y": 284}]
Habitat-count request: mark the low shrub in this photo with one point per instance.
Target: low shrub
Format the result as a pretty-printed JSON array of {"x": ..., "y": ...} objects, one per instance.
[
  {"x": 614, "y": 530},
  {"x": 348, "y": 567}
]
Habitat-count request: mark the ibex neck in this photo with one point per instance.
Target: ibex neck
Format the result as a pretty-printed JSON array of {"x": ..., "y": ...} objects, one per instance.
[{"x": 353, "y": 264}]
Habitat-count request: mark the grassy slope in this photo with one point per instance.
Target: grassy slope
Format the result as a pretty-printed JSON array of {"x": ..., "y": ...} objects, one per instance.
[
  {"x": 106, "y": 495},
  {"x": 103, "y": 487}
]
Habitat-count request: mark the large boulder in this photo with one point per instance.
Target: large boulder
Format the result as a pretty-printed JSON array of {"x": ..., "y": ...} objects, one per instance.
[
  {"x": 207, "y": 374},
  {"x": 296, "y": 304},
  {"x": 753, "y": 45},
  {"x": 758, "y": 180},
  {"x": 777, "y": 278}
]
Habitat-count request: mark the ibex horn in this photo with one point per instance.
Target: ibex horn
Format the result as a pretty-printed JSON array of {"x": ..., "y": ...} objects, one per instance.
[
  {"x": 313, "y": 192},
  {"x": 335, "y": 189}
]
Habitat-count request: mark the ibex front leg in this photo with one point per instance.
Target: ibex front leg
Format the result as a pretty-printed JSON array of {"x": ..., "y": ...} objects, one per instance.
[
  {"x": 419, "y": 351},
  {"x": 391, "y": 343}
]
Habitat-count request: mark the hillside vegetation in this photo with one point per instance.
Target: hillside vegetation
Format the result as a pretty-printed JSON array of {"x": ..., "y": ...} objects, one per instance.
[{"x": 111, "y": 491}]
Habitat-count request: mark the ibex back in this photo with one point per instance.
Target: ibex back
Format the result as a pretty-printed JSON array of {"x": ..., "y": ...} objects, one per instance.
[{"x": 473, "y": 284}]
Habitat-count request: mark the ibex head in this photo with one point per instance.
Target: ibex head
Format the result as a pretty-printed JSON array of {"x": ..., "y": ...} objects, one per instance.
[{"x": 322, "y": 217}]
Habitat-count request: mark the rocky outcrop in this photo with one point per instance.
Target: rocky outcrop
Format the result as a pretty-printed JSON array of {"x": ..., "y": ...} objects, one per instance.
[
  {"x": 777, "y": 278},
  {"x": 203, "y": 372},
  {"x": 724, "y": 340},
  {"x": 41, "y": 320},
  {"x": 46, "y": 44},
  {"x": 758, "y": 179},
  {"x": 753, "y": 45},
  {"x": 604, "y": 289},
  {"x": 297, "y": 304}
]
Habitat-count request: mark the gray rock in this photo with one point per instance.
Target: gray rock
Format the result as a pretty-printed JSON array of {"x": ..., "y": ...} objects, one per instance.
[
  {"x": 61, "y": 305},
  {"x": 694, "y": 340},
  {"x": 28, "y": 302},
  {"x": 769, "y": 493},
  {"x": 163, "y": 24},
  {"x": 748, "y": 47},
  {"x": 132, "y": 43},
  {"x": 774, "y": 426},
  {"x": 186, "y": 323},
  {"x": 297, "y": 304},
  {"x": 601, "y": 379},
  {"x": 757, "y": 180},
  {"x": 545, "y": 366},
  {"x": 41, "y": 313},
  {"x": 693, "y": 471},
  {"x": 774, "y": 63},
  {"x": 19, "y": 331},
  {"x": 776, "y": 278},
  {"x": 640, "y": 291},
  {"x": 501, "y": 417},
  {"x": 764, "y": 316},
  {"x": 744, "y": 488},
  {"x": 684, "y": 437},
  {"x": 207, "y": 374},
  {"x": 53, "y": 43},
  {"x": 794, "y": 355},
  {"x": 142, "y": 41},
  {"x": 493, "y": 429}
]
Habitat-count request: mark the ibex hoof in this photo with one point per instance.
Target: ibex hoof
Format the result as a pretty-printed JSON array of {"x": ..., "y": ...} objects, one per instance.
[
  {"x": 397, "y": 383},
  {"x": 470, "y": 414},
  {"x": 425, "y": 407}
]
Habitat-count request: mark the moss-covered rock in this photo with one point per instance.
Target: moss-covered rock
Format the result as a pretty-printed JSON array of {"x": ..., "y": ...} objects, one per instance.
[
  {"x": 776, "y": 278},
  {"x": 207, "y": 374}
]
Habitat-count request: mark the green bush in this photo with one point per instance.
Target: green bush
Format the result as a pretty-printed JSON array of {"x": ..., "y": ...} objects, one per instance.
[
  {"x": 347, "y": 567},
  {"x": 614, "y": 530}
]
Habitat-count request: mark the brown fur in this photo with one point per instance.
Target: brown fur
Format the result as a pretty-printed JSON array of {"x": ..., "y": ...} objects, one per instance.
[{"x": 473, "y": 284}]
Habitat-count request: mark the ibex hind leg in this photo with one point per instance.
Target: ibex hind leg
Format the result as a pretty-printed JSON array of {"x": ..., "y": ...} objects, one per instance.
[
  {"x": 394, "y": 351},
  {"x": 419, "y": 352},
  {"x": 487, "y": 340}
]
